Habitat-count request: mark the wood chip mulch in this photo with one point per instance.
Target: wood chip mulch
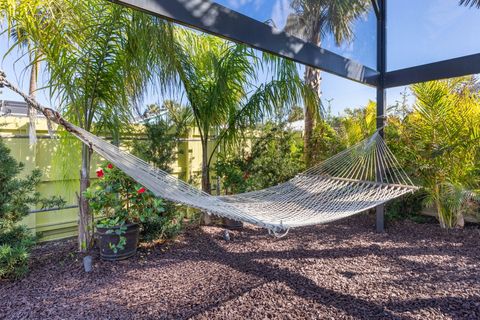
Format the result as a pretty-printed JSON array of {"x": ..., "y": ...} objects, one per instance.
[{"x": 342, "y": 270}]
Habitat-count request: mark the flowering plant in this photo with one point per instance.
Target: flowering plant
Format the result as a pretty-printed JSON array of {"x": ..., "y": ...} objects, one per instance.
[{"x": 119, "y": 200}]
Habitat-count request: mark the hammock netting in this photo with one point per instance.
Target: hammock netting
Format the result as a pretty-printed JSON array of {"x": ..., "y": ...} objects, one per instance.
[{"x": 361, "y": 177}]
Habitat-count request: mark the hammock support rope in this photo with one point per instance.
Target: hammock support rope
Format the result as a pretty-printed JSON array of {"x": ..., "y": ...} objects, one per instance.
[{"x": 357, "y": 179}]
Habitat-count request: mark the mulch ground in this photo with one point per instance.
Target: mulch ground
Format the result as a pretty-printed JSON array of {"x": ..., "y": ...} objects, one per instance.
[{"x": 342, "y": 270}]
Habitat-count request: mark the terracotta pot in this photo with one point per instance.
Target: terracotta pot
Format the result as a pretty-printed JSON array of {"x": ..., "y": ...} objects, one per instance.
[{"x": 106, "y": 238}]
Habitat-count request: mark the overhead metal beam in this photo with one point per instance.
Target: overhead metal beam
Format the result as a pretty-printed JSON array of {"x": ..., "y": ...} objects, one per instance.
[
  {"x": 434, "y": 71},
  {"x": 213, "y": 18}
]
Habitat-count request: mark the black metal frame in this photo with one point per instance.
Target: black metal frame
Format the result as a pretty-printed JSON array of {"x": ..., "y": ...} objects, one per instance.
[
  {"x": 434, "y": 71},
  {"x": 381, "y": 6},
  {"x": 207, "y": 16}
]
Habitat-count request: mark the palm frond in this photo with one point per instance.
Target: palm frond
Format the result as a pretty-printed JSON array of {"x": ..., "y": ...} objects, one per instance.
[{"x": 470, "y": 3}]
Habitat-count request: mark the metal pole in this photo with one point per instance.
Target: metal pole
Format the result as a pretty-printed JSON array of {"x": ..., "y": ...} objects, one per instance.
[
  {"x": 53, "y": 209},
  {"x": 381, "y": 93}
]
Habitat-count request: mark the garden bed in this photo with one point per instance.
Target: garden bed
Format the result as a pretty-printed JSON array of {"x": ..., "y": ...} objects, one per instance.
[{"x": 339, "y": 270}]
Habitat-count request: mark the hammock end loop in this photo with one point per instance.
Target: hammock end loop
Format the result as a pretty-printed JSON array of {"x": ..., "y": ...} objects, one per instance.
[{"x": 276, "y": 234}]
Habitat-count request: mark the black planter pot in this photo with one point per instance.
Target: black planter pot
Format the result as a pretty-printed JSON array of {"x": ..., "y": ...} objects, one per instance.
[{"x": 106, "y": 238}]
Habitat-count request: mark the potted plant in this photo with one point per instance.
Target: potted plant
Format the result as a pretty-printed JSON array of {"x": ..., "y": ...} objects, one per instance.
[{"x": 121, "y": 205}]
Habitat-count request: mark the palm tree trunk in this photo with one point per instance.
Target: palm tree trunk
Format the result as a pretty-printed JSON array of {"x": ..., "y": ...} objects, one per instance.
[
  {"x": 206, "y": 220},
  {"x": 85, "y": 217},
  {"x": 32, "y": 112},
  {"x": 313, "y": 79}
]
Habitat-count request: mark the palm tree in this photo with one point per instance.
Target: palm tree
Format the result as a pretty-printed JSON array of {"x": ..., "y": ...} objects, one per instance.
[
  {"x": 311, "y": 21},
  {"x": 218, "y": 78},
  {"x": 18, "y": 24},
  {"x": 116, "y": 54},
  {"x": 445, "y": 141},
  {"x": 471, "y": 3},
  {"x": 100, "y": 58}
]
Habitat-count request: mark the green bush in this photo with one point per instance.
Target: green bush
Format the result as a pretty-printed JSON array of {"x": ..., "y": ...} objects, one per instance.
[
  {"x": 166, "y": 226},
  {"x": 119, "y": 200},
  {"x": 16, "y": 198},
  {"x": 407, "y": 207},
  {"x": 436, "y": 141},
  {"x": 15, "y": 246},
  {"x": 162, "y": 132},
  {"x": 275, "y": 156},
  {"x": 160, "y": 149}
]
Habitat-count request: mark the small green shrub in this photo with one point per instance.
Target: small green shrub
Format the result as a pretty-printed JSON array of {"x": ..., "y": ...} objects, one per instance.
[
  {"x": 407, "y": 207},
  {"x": 16, "y": 198},
  {"x": 15, "y": 247},
  {"x": 275, "y": 156},
  {"x": 164, "y": 226},
  {"x": 160, "y": 148}
]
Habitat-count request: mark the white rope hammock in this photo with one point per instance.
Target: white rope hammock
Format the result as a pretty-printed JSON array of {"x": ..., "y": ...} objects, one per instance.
[{"x": 359, "y": 178}]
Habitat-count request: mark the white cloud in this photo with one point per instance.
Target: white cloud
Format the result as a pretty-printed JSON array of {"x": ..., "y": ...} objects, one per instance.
[
  {"x": 280, "y": 11},
  {"x": 237, "y": 4}
]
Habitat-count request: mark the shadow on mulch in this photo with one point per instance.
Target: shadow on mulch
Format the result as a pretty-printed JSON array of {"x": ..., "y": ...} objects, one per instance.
[{"x": 339, "y": 270}]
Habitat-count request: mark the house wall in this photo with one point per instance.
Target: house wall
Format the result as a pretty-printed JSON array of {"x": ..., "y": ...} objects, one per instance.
[{"x": 61, "y": 167}]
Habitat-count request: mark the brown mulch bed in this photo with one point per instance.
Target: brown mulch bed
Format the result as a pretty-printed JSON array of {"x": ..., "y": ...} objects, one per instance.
[{"x": 342, "y": 270}]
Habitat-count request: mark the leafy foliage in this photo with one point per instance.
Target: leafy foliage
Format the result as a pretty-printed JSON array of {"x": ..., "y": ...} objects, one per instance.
[
  {"x": 163, "y": 127},
  {"x": 273, "y": 157},
  {"x": 296, "y": 113},
  {"x": 101, "y": 58},
  {"x": 407, "y": 207},
  {"x": 117, "y": 199},
  {"x": 162, "y": 131},
  {"x": 218, "y": 78},
  {"x": 437, "y": 142},
  {"x": 359, "y": 123},
  {"x": 444, "y": 138},
  {"x": 313, "y": 20},
  {"x": 164, "y": 226},
  {"x": 16, "y": 197},
  {"x": 470, "y": 3},
  {"x": 326, "y": 142}
]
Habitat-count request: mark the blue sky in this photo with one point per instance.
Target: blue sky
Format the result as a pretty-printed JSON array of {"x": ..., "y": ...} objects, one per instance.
[{"x": 418, "y": 32}]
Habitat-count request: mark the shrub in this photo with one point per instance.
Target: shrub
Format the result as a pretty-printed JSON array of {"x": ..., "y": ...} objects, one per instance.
[
  {"x": 162, "y": 132},
  {"x": 407, "y": 207},
  {"x": 15, "y": 246},
  {"x": 16, "y": 197},
  {"x": 163, "y": 127},
  {"x": 437, "y": 143},
  {"x": 443, "y": 142},
  {"x": 275, "y": 156},
  {"x": 119, "y": 200},
  {"x": 164, "y": 226}
]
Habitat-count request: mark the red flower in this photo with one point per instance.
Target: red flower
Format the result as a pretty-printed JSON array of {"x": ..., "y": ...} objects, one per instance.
[
  {"x": 141, "y": 190},
  {"x": 100, "y": 173},
  {"x": 110, "y": 166}
]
